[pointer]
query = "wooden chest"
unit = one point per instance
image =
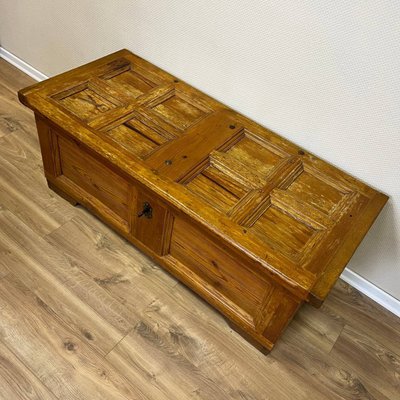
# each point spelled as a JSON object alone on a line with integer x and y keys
{"x": 251, "y": 222}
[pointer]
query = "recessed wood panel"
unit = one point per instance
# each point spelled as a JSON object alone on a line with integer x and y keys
{"x": 281, "y": 230}
{"x": 254, "y": 155}
{"x": 132, "y": 140}
{"x": 87, "y": 104}
{"x": 316, "y": 192}
{"x": 210, "y": 191}
{"x": 131, "y": 83}
{"x": 216, "y": 266}
{"x": 92, "y": 176}
{"x": 179, "y": 111}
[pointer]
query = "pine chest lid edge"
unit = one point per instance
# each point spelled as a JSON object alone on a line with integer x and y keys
{"x": 299, "y": 215}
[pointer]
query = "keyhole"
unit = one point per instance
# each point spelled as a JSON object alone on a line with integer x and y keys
{"x": 147, "y": 211}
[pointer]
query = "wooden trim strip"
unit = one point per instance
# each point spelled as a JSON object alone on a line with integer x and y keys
{"x": 249, "y": 209}
{"x": 178, "y": 159}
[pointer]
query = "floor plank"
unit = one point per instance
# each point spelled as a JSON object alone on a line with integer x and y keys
{"x": 51, "y": 350}
{"x": 3, "y": 270}
{"x": 3, "y": 252}
{"x": 351, "y": 307}
{"x": 23, "y": 188}
{"x": 317, "y": 328}
{"x": 17, "y": 382}
{"x": 12, "y": 117}
{"x": 184, "y": 334}
{"x": 21, "y": 148}
{"x": 12, "y": 78}
{"x": 120, "y": 269}
{"x": 373, "y": 361}
{"x": 304, "y": 359}
{"x": 67, "y": 292}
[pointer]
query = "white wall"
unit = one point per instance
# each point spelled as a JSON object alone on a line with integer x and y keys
{"x": 325, "y": 74}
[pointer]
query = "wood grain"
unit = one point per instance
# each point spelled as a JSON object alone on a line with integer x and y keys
{"x": 336, "y": 377}
{"x": 13, "y": 79}
{"x": 22, "y": 179}
{"x": 12, "y": 118}
{"x": 17, "y": 381}
{"x": 118, "y": 268}
{"x": 63, "y": 362}
{"x": 185, "y": 335}
{"x": 349, "y": 307}
{"x": 384, "y": 365}
{"x": 98, "y": 320}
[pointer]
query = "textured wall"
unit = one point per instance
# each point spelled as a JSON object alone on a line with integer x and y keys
{"x": 324, "y": 74}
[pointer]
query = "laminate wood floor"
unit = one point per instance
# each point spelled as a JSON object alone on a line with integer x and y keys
{"x": 84, "y": 315}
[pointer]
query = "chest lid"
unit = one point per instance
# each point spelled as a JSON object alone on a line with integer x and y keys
{"x": 297, "y": 216}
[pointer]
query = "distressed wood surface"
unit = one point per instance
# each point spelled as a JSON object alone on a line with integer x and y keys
{"x": 243, "y": 217}
{"x": 300, "y": 217}
{"x": 84, "y": 315}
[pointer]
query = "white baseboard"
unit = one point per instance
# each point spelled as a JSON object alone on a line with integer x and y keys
{"x": 370, "y": 290}
{"x": 373, "y": 292}
{"x": 22, "y": 65}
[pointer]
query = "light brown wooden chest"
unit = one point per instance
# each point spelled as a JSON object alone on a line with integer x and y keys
{"x": 249, "y": 221}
